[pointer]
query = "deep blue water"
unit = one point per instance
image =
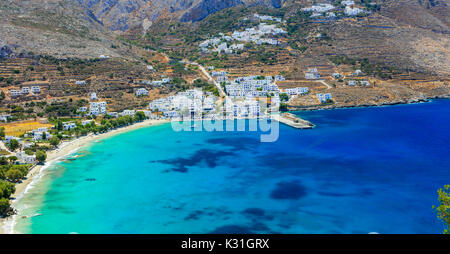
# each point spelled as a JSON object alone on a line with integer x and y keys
{"x": 361, "y": 170}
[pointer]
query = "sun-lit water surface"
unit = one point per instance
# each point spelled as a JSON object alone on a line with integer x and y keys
{"x": 361, "y": 170}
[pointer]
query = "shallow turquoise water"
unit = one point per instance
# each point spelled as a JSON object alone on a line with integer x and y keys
{"x": 361, "y": 170}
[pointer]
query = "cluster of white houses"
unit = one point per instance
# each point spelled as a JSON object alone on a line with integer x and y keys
{"x": 194, "y": 104}
{"x": 258, "y": 34}
{"x": 25, "y": 91}
{"x": 267, "y": 18}
{"x": 323, "y": 98}
{"x": 328, "y": 10}
{"x": 161, "y": 82}
{"x": 187, "y": 102}
{"x": 312, "y": 74}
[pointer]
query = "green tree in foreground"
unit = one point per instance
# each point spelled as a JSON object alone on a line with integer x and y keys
{"x": 4, "y": 207}
{"x": 2, "y": 133}
{"x": 14, "y": 175}
{"x": 41, "y": 156}
{"x": 12, "y": 159}
{"x": 13, "y": 144}
{"x": 443, "y": 210}
{"x": 54, "y": 141}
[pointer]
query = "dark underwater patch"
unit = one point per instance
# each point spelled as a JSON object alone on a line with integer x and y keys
{"x": 236, "y": 143}
{"x": 288, "y": 190}
{"x": 195, "y": 215}
{"x": 254, "y": 211}
{"x": 210, "y": 157}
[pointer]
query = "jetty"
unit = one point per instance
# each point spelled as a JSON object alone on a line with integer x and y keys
{"x": 293, "y": 121}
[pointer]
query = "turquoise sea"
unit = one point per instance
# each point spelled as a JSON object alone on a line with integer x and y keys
{"x": 361, "y": 170}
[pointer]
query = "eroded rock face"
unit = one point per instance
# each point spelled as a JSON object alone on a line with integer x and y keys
{"x": 122, "y": 14}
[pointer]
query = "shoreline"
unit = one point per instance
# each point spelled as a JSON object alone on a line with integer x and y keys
{"x": 386, "y": 104}
{"x": 64, "y": 149}
{"x": 67, "y": 148}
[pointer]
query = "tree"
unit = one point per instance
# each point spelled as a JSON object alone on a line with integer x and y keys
{"x": 54, "y": 141}
{"x": 41, "y": 156}
{"x": 2, "y": 133}
{"x": 13, "y": 144}
{"x": 13, "y": 175}
{"x": 6, "y": 189}
{"x": 5, "y": 206}
{"x": 3, "y": 160}
{"x": 12, "y": 158}
{"x": 59, "y": 126}
{"x": 139, "y": 116}
{"x": 443, "y": 210}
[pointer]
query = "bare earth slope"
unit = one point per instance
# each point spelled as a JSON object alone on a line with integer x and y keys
{"x": 55, "y": 27}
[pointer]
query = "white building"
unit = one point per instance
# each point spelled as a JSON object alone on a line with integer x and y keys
{"x": 25, "y": 90}
{"x": 86, "y": 122}
{"x": 97, "y": 108}
{"x": 337, "y": 75}
{"x": 80, "y": 82}
{"x": 141, "y": 92}
{"x": 312, "y": 73}
{"x": 69, "y": 126}
{"x": 35, "y": 89}
{"x": 14, "y": 93}
{"x": 353, "y": 11}
{"x": 94, "y": 97}
{"x": 127, "y": 113}
{"x": 113, "y": 114}
{"x": 324, "y": 97}
{"x": 25, "y": 158}
{"x": 4, "y": 118}
{"x": 358, "y": 73}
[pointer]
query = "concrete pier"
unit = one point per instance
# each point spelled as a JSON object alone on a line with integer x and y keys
{"x": 293, "y": 121}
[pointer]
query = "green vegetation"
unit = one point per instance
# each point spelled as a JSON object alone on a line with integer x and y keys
{"x": 443, "y": 210}
{"x": 13, "y": 174}
{"x": 2, "y": 133}
{"x": 206, "y": 86}
{"x": 13, "y": 144}
{"x": 54, "y": 141}
{"x": 365, "y": 66}
{"x": 284, "y": 97}
{"x": 41, "y": 156}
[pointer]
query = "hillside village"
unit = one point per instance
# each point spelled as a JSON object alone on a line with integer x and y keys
{"x": 52, "y": 98}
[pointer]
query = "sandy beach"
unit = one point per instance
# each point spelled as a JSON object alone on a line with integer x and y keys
{"x": 64, "y": 149}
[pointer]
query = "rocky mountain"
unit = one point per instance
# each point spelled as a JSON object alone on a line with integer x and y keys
{"x": 413, "y": 34}
{"x": 55, "y": 27}
{"x": 123, "y": 14}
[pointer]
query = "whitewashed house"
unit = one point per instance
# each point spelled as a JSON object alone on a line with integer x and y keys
{"x": 4, "y": 118}
{"x": 69, "y": 126}
{"x": 94, "y": 97}
{"x": 128, "y": 112}
{"x": 25, "y": 90}
{"x": 141, "y": 92}
{"x": 15, "y": 93}
{"x": 86, "y": 122}
{"x": 312, "y": 74}
{"x": 35, "y": 89}
{"x": 97, "y": 108}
